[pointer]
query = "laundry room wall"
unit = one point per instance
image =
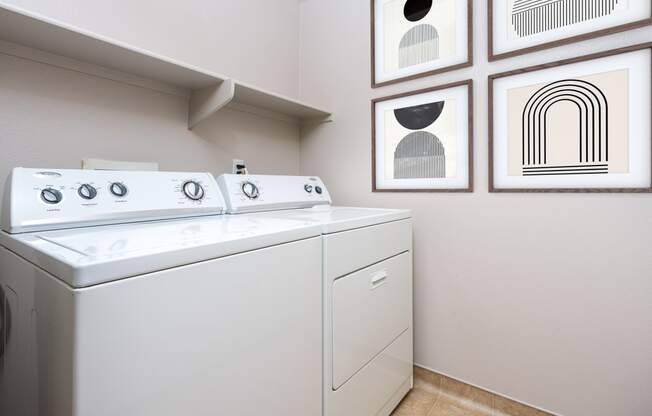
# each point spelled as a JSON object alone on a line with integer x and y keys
{"x": 52, "y": 117}
{"x": 543, "y": 298}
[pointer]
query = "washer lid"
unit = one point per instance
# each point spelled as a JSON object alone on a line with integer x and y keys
{"x": 89, "y": 256}
{"x": 334, "y": 219}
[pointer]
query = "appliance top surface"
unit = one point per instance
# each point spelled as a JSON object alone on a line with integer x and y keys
{"x": 88, "y": 256}
{"x": 303, "y": 198}
{"x": 333, "y": 219}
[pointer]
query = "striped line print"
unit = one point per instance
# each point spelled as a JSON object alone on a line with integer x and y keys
{"x": 420, "y": 154}
{"x": 593, "y": 169}
{"x": 419, "y": 45}
{"x": 530, "y": 17}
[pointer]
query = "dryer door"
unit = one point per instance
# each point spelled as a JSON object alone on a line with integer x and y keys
{"x": 371, "y": 308}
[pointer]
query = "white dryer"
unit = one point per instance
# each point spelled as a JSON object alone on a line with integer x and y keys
{"x": 126, "y": 293}
{"x": 367, "y": 277}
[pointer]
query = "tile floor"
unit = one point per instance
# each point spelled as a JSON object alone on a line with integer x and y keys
{"x": 437, "y": 395}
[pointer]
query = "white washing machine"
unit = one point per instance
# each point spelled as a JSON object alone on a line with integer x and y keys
{"x": 367, "y": 276}
{"x": 126, "y": 293}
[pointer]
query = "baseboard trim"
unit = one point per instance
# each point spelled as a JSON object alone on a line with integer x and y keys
{"x": 501, "y": 405}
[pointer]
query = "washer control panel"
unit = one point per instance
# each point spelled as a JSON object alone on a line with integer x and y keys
{"x": 251, "y": 193}
{"x": 47, "y": 199}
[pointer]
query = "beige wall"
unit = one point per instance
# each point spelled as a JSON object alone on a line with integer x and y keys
{"x": 544, "y": 298}
{"x": 234, "y": 38}
{"x": 51, "y": 117}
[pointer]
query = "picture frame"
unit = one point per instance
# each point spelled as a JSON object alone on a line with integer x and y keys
{"x": 566, "y": 25}
{"x": 578, "y": 125}
{"x": 418, "y": 48}
{"x": 422, "y": 141}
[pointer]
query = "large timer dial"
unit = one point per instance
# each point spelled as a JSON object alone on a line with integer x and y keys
{"x": 250, "y": 190}
{"x": 193, "y": 190}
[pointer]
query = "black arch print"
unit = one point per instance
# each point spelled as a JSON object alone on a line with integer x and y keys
{"x": 593, "y": 122}
{"x": 583, "y": 127}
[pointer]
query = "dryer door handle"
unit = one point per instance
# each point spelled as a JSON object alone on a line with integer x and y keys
{"x": 378, "y": 278}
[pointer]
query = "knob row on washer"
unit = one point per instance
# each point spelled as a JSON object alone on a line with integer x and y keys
{"x": 85, "y": 191}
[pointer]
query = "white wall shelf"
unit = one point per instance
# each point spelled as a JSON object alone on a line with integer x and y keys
{"x": 41, "y": 39}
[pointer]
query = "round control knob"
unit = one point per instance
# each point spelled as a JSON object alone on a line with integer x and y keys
{"x": 118, "y": 189}
{"x": 250, "y": 190}
{"x": 193, "y": 190}
{"x": 318, "y": 189}
{"x": 87, "y": 191}
{"x": 51, "y": 196}
{"x": 308, "y": 188}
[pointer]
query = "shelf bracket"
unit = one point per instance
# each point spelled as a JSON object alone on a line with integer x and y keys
{"x": 207, "y": 101}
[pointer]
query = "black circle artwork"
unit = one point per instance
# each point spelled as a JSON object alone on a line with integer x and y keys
{"x": 420, "y": 116}
{"x": 415, "y": 10}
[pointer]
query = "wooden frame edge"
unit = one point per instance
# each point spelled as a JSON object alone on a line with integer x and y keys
{"x": 534, "y": 68}
{"x": 470, "y": 188}
{"x": 555, "y": 43}
{"x": 467, "y": 64}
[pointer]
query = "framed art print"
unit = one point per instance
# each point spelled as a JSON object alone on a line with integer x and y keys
{"x": 422, "y": 141}
{"x": 522, "y": 26}
{"x": 417, "y": 38}
{"x": 580, "y": 125}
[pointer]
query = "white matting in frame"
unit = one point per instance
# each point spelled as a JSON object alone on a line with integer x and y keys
{"x": 413, "y": 154}
{"x": 523, "y": 24}
{"x": 617, "y": 118}
{"x": 414, "y": 37}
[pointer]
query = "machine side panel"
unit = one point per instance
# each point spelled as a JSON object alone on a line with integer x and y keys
{"x": 36, "y": 367}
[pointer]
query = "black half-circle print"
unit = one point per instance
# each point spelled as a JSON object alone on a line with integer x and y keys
{"x": 419, "y": 116}
{"x": 416, "y": 10}
{"x": 420, "y": 155}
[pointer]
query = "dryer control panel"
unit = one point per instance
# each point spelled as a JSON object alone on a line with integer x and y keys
{"x": 253, "y": 193}
{"x": 48, "y": 199}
